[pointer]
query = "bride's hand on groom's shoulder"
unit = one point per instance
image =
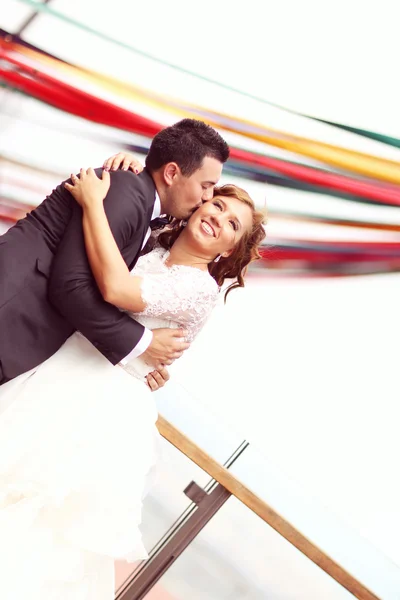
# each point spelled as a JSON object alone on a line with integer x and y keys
{"x": 87, "y": 188}
{"x": 124, "y": 161}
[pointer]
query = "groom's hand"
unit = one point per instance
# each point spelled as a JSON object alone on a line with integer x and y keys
{"x": 166, "y": 346}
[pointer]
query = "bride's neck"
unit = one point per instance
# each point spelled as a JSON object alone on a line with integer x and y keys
{"x": 182, "y": 254}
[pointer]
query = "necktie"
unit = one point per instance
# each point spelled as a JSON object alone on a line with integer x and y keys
{"x": 159, "y": 222}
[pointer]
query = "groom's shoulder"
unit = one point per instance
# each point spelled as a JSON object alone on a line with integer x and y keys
{"x": 140, "y": 186}
{"x": 142, "y": 182}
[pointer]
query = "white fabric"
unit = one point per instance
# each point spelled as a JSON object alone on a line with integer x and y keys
{"x": 78, "y": 448}
{"x": 176, "y": 297}
{"x": 147, "y": 336}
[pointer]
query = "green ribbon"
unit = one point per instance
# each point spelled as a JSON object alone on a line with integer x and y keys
{"x": 45, "y": 8}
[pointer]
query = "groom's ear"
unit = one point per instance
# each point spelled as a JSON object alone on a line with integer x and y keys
{"x": 170, "y": 171}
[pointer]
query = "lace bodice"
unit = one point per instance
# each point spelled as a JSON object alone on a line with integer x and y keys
{"x": 177, "y": 296}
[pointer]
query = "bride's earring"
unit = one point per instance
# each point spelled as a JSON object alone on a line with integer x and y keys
{"x": 217, "y": 258}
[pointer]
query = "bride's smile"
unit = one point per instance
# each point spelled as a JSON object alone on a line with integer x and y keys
{"x": 217, "y": 226}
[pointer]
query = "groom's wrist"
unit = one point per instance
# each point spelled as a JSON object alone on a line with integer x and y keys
{"x": 140, "y": 347}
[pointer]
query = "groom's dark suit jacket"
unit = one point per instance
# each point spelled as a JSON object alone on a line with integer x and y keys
{"x": 47, "y": 290}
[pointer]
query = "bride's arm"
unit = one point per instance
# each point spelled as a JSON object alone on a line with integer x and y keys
{"x": 112, "y": 276}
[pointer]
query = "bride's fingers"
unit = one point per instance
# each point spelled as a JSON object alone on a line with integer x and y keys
{"x": 74, "y": 179}
{"x": 105, "y": 176}
{"x": 163, "y": 372}
{"x": 151, "y": 382}
{"x": 115, "y": 161}
{"x": 157, "y": 380}
{"x": 131, "y": 163}
{"x": 107, "y": 163}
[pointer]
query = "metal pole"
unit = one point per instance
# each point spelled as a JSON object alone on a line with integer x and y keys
{"x": 207, "y": 506}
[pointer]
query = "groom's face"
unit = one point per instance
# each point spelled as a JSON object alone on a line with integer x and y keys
{"x": 186, "y": 194}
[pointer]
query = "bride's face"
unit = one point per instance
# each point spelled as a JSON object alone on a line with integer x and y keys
{"x": 217, "y": 226}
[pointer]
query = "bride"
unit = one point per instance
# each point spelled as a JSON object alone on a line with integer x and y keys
{"x": 78, "y": 439}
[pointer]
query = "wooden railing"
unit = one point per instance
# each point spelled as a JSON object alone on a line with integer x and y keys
{"x": 261, "y": 508}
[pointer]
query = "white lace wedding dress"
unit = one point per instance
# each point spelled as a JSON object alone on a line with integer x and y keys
{"x": 78, "y": 443}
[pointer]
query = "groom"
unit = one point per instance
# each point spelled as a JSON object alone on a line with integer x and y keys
{"x": 47, "y": 290}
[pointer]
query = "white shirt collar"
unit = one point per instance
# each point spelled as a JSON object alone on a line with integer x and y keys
{"x": 156, "y": 208}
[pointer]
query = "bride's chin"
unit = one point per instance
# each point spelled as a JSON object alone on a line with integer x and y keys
{"x": 202, "y": 240}
{"x": 199, "y": 245}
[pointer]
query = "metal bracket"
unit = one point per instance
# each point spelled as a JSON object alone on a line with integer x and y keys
{"x": 194, "y": 492}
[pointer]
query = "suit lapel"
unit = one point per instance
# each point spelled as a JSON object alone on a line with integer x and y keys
{"x": 151, "y": 195}
{"x": 139, "y": 247}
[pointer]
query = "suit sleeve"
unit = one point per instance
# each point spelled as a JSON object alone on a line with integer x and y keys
{"x": 72, "y": 288}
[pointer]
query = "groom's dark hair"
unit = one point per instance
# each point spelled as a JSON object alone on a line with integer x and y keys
{"x": 187, "y": 143}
